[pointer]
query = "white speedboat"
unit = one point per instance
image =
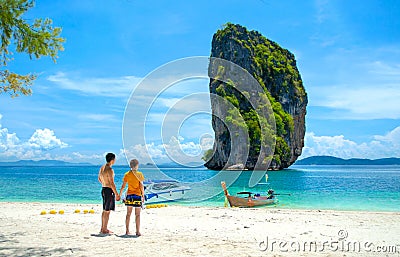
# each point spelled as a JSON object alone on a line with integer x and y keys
{"x": 164, "y": 190}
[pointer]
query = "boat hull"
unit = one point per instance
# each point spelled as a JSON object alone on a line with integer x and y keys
{"x": 164, "y": 191}
{"x": 248, "y": 202}
{"x": 153, "y": 197}
{"x": 235, "y": 201}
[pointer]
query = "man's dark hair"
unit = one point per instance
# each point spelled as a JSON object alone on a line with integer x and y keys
{"x": 110, "y": 157}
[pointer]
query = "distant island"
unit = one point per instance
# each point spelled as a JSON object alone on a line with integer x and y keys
{"x": 55, "y": 163}
{"x": 171, "y": 165}
{"x": 42, "y": 163}
{"x": 330, "y": 160}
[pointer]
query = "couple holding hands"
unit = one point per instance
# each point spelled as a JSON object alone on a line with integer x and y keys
{"x": 134, "y": 195}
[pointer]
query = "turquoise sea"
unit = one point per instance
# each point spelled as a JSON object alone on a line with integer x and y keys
{"x": 366, "y": 188}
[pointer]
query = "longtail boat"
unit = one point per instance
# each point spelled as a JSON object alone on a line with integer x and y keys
{"x": 251, "y": 200}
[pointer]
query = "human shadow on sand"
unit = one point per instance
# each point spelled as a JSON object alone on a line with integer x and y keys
{"x": 101, "y": 235}
{"x": 22, "y": 251}
{"x": 127, "y": 236}
{"x": 11, "y": 246}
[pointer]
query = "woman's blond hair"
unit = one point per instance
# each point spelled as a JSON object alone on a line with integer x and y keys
{"x": 133, "y": 163}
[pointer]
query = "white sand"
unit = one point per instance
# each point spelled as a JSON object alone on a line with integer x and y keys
{"x": 197, "y": 231}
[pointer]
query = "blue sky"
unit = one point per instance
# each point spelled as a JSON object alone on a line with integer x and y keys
{"x": 347, "y": 52}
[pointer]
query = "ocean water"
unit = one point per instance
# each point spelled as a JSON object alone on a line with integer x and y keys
{"x": 366, "y": 188}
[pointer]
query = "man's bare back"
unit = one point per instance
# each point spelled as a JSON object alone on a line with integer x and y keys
{"x": 106, "y": 176}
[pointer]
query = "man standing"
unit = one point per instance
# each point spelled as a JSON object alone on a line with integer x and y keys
{"x": 108, "y": 192}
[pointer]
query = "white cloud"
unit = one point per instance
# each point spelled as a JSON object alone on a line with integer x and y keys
{"x": 360, "y": 103}
{"x": 176, "y": 150}
{"x": 39, "y": 147}
{"x": 93, "y": 158}
{"x": 392, "y": 138}
{"x": 144, "y": 151}
{"x": 381, "y": 68}
{"x": 328, "y": 29}
{"x": 381, "y": 146}
{"x": 36, "y": 147}
{"x": 321, "y": 10}
{"x": 79, "y": 157}
{"x": 189, "y": 116}
{"x": 111, "y": 87}
{"x": 168, "y": 102}
{"x": 373, "y": 94}
{"x": 206, "y": 142}
{"x": 168, "y": 85}
{"x": 45, "y": 139}
{"x": 7, "y": 140}
{"x": 98, "y": 117}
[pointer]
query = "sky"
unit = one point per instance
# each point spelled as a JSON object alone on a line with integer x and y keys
{"x": 347, "y": 53}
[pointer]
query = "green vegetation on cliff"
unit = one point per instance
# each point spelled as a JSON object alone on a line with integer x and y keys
{"x": 275, "y": 69}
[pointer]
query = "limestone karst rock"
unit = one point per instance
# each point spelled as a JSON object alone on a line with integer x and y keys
{"x": 275, "y": 69}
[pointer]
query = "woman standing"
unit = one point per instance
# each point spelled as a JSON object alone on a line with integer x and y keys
{"x": 135, "y": 194}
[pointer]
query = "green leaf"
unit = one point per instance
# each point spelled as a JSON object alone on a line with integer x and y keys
{"x": 37, "y": 40}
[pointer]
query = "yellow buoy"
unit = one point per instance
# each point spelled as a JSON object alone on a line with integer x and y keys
{"x": 61, "y": 212}
{"x": 53, "y": 212}
{"x": 91, "y": 211}
{"x": 43, "y": 213}
{"x": 77, "y": 211}
{"x": 85, "y": 211}
{"x": 155, "y": 206}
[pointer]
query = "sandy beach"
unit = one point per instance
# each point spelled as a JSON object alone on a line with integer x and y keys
{"x": 197, "y": 231}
